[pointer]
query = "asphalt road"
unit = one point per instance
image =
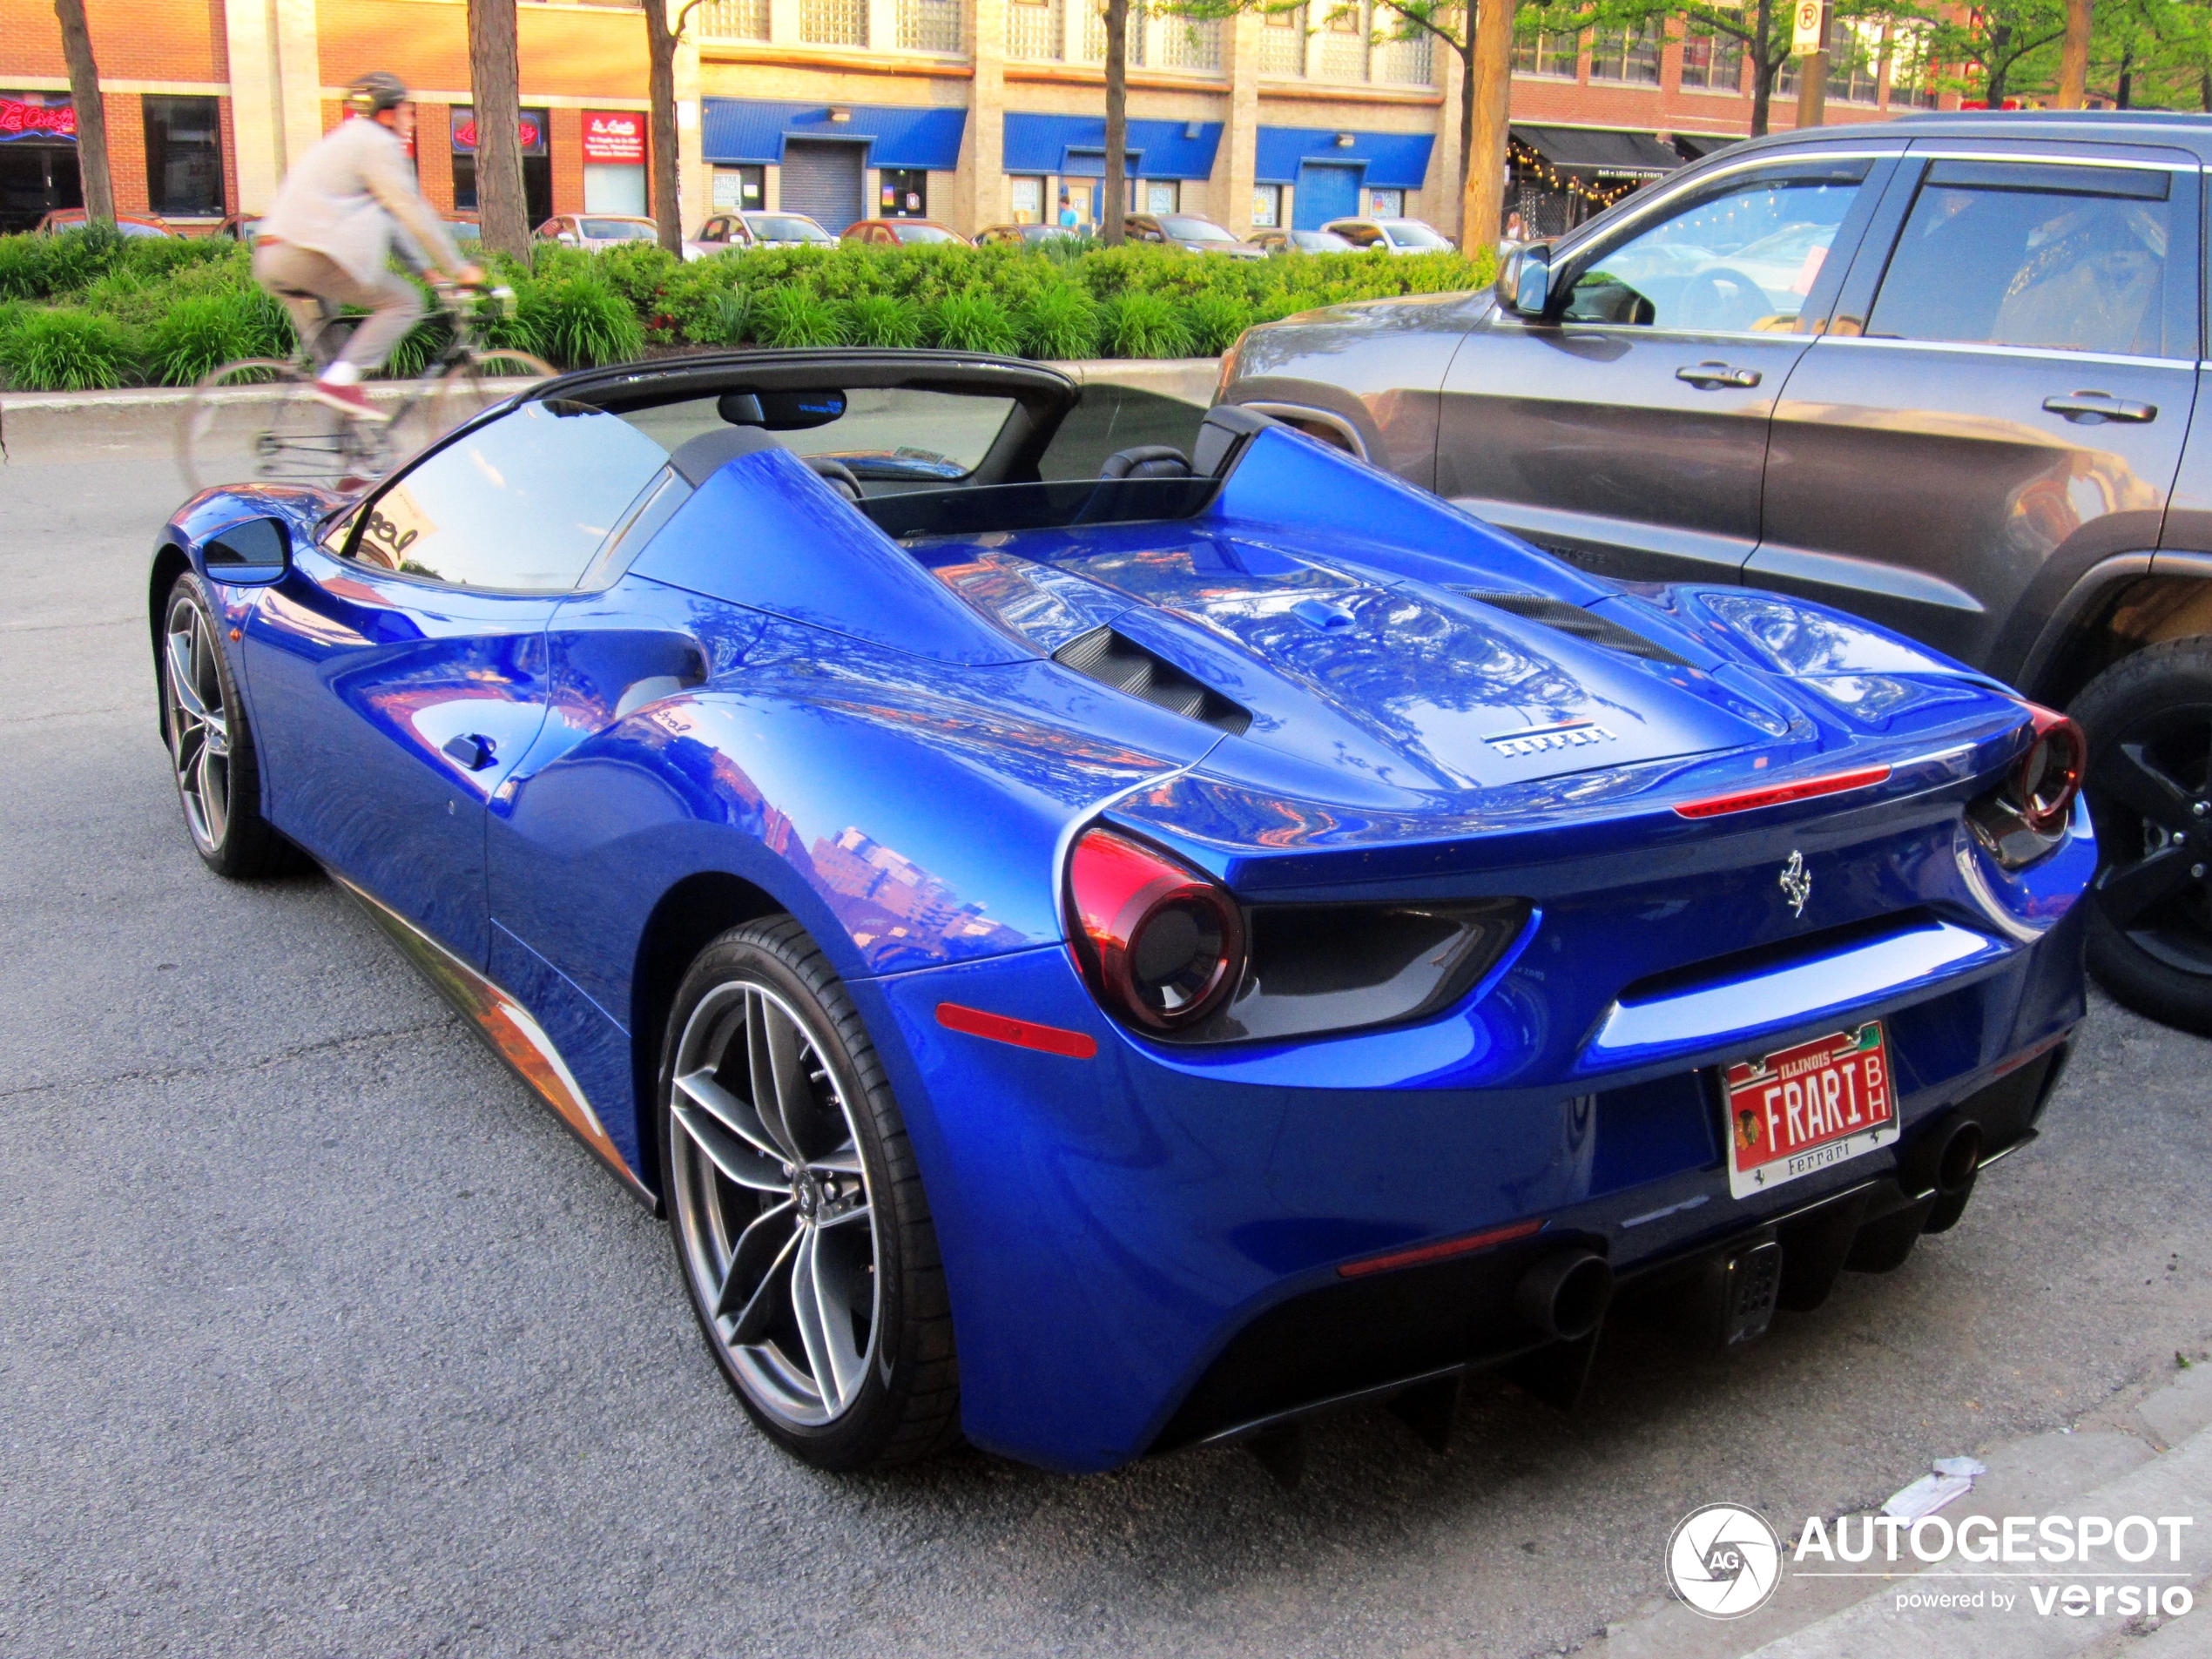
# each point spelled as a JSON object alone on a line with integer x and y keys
{"x": 317, "y": 1336}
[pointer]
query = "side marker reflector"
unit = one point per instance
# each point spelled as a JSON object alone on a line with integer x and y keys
{"x": 1438, "y": 1252}
{"x": 1776, "y": 794}
{"x": 1022, "y": 1034}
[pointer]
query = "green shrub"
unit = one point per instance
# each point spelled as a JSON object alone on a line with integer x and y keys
{"x": 794, "y": 317}
{"x": 197, "y": 334}
{"x": 723, "y": 322}
{"x": 880, "y": 319}
{"x": 1143, "y": 325}
{"x": 970, "y": 322}
{"x": 1058, "y": 322}
{"x": 575, "y": 322}
{"x": 66, "y": 349}
{"x": 1214, "y": 320}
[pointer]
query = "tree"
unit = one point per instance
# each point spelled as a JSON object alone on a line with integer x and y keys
{"x": 661, "y": 39}
{"x": 2073, "y": 61}
{"x": 495, "y": 79}
{"x": 1113, "y": 201}
{"x": 2002, "y": 39}
{"x": 1481, "y": 37}
{"x": 91, "y": 113}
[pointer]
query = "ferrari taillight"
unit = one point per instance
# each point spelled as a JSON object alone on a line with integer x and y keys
{"x": 1160, "y": 944}
{"x": 2048, "y": 777}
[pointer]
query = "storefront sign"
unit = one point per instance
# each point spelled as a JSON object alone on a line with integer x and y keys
{"x": 529, "y": 131}
{"x": 29, "y": 115}
{"x": 615, "y": 136}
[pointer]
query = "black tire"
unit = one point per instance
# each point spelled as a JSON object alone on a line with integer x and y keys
{"x": 211, "y": 744}
{"x": 2149, "y": 720}
{"x": 905, "y": 1403}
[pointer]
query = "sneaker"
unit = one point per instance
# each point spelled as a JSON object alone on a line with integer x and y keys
{"x": 349, "y": 400}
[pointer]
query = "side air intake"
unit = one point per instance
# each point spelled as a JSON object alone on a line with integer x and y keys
{"x": 1106, "y": 656}
{"x": 1573, "y": 619}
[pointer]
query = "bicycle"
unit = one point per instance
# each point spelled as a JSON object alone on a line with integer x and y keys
{"x": 228, "y": 426}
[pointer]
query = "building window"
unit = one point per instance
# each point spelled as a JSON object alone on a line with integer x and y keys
{"x": 1339, "y": 51}
{"x": 734, "y": 19}
{"x": 1911, "y": 75}
{"x": 1025, "y": 199}
{"x": 1160, "y": 195}
{"x": 929, "y": 25}
{"x": 1540, "y": 52}
{"x": 902, "y": 193}
{"x": 1036, "y": 29}
{"x": 1095, "y": 35}
{"x": 1267, "y": 206}
{"x": 1385, "y": 204}
{"x": 1282, "y": 43}
{"x": 1711, "y": 61}
{"x": 1190, "y": 42}
{"x": 1402, "y": 59}
{"x": 833, "y": 23}
{"x": 537, "y": 163}
{"x": 1626, "y": 55}
{"x": 185, "y": 157}
{"x": 740, "y": 189}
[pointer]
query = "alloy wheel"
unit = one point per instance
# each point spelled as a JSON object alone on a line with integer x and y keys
{"x": 775, "y": 1216}
{"x": 199, "y": 729}
{"x": 2151, "y": 791}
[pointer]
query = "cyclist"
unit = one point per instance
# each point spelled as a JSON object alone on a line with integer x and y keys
{"x": 326, "y": 239}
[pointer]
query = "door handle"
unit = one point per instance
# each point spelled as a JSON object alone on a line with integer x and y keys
{"x": 473, "y": 749}
{"x": 1706, "y": 376}
{"x": 2100, "y": 406}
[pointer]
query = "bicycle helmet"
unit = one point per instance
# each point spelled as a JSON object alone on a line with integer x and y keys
{"x": 378, "y": 90}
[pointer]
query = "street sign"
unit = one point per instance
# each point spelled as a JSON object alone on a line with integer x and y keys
{"x": 1804, "y": 30}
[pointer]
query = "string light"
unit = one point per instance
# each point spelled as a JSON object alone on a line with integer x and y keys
{"x": 1597, "y": 195}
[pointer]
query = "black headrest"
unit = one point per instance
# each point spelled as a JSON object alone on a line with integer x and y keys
{"x": 836, "y": 474}
{"x": 1146, "y": 460}
{"x": 700, "y": 458}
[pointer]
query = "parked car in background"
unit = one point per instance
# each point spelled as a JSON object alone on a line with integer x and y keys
{"x": 900, "y": 232}
{"x": 1940, "y": 373}
{"x": 723, "y": 231}
{"x": 1025, "y": 235}
{"x": 1300, "y": 242}
{"x": 593, "y": 232}
{"x": 1392, "y": 235}
{"x": 1189, "y": 233}
{"x": 74, "y": 218}
{"x": 240, "y": 227}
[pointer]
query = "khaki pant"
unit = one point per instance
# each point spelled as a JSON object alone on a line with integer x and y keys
{"x": 313, "y": 286}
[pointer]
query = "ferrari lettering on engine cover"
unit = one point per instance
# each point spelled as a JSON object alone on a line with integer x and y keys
{"x": 1569, "y": 736}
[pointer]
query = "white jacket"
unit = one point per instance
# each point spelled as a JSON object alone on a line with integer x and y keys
{"x": 340, "y": 198}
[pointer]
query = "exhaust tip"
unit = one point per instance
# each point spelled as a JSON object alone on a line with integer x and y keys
{"x": 1960, "y": 1158}
{"x": 1565, "y": 1296}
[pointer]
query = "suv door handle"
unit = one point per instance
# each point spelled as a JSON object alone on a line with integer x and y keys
{"x": 1706, "y": 376}
{"x": 2100, "y": 406}
{"x": 473, "y": 749}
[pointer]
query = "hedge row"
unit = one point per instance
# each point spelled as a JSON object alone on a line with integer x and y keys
{"x": 88, "y": 310}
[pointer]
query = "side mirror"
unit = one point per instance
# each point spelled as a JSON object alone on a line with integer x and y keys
{"x": 1524, "y": 281}
{"x": 256, "y": 552}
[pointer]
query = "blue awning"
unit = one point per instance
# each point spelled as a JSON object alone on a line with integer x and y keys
{"x": 736, "y": 130}
{"x": 1393, "y": 160}
{"x": 1075, "y": 146}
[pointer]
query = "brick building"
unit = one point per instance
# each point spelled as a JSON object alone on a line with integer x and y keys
{"x": 972, "y": 111}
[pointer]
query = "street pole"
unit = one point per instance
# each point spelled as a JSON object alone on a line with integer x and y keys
{"x": 1812, "y": 65}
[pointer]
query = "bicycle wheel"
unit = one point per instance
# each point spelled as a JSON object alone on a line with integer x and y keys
{"x": 255, "y": 422}
{"x": 483, "y": 378}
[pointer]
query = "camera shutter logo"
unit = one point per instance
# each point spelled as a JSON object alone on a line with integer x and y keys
{"x": 1724, "y": 1561}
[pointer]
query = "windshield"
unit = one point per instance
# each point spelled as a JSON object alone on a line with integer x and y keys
{"x": 786, "y": 227}
{"x": 617, "y": 230}
{"x": 1185, "y": 229}
{"x": 1410, "y": 232}
{"x": 460, "y": 229}
{"x": 892, "y": 433}
{"x": 1357, "y": 235}
{"x": 914, "y": 231}
{"x": 1323, "y": 242}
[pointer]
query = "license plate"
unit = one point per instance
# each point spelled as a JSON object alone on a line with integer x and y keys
{"x": 1802, "y": 1109}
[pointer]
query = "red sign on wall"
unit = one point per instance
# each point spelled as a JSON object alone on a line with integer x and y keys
{"x": 614, "y": 135}
{"x": 529, "y": 131}
{"x": 34, "y": 117}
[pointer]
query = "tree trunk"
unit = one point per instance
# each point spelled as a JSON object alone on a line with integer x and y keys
{"x": 497, "y": 88}
{"x": 660, "y": 45}
{"x": 1764, "y": 70}
{"x": 1482, "y": 209}
{"x": 1113, "y": 196}
{"x": 2073, "y": 57}
{"x": 92, "y": 114}
{"x": 2124, "y": 92}
{"x": 1466, "y": 106}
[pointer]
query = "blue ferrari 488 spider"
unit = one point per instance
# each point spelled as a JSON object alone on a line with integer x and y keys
{"x": 1100, "y": 946}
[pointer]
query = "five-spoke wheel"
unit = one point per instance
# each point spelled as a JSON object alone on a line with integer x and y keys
{"x": 211, "y": 749}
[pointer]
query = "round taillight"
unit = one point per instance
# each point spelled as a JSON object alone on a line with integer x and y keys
{"x": 1162, "y": 944}
{"x": 2047, "y": 778}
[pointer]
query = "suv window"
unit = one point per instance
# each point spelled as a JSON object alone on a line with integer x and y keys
{"x": 521, "y": 503}
{"x": 1740, "y": 259}
{"x": 2062, "y": 257}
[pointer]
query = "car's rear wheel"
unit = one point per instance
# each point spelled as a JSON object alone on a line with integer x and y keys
{"x": 796, "y": 1209}
{"x": 2149, "y": 720}
{"x": 211, "y": 746}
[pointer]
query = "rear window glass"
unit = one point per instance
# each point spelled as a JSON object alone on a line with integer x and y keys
{"x": 901, "y": 436}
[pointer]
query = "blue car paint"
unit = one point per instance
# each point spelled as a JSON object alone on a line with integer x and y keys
{"x": 908, "y": 793}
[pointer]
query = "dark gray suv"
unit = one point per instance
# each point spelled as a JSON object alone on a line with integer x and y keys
{"x": 1939, "y": 372}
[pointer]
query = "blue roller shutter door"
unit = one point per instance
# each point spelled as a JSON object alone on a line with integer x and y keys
{"x": 1326, "y": 190}
{"x": 825, "y": 182}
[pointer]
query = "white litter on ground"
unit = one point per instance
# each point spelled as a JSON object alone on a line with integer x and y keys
{"x": 1954, "y": 1478}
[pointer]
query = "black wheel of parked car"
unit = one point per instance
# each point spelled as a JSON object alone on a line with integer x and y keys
{"x": 2149, "y": 720}
{"x": 797, "y": 1210}
{"x": 211, "y": 746}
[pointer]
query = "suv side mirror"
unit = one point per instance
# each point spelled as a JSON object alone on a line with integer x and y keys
{"x": 257, "y": 552}
{"x": 1524, "y": 281}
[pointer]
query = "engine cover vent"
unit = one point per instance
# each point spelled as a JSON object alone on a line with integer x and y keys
{"x": 1573, "y": 619}
{"x": 1106, "y": 656}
